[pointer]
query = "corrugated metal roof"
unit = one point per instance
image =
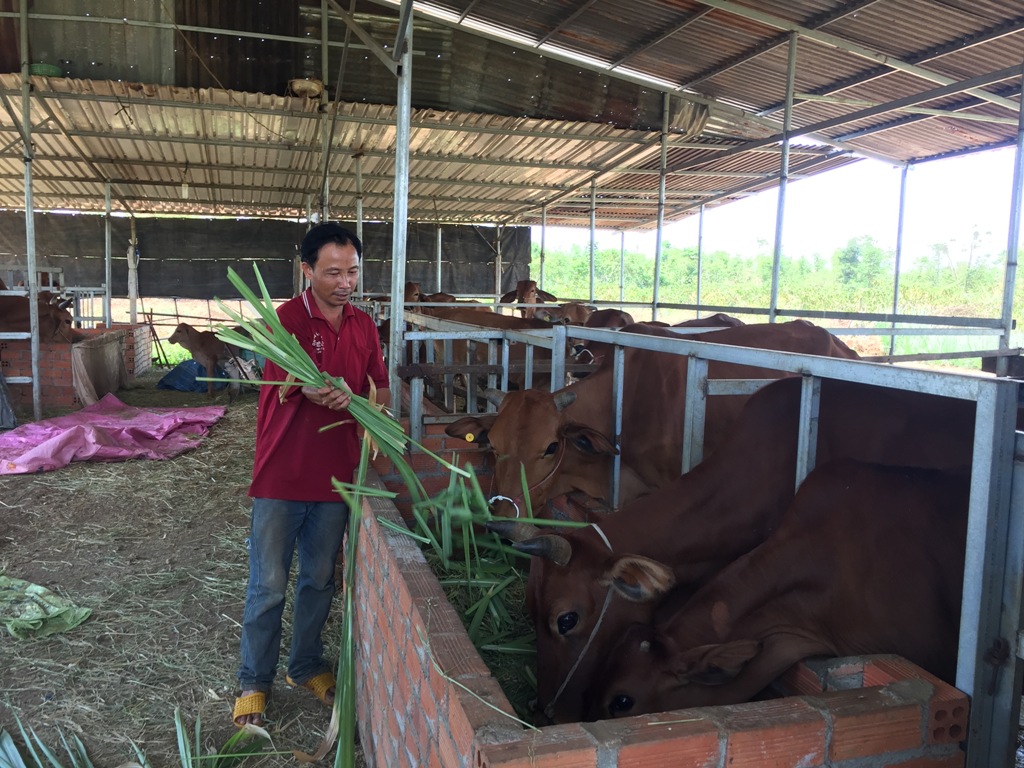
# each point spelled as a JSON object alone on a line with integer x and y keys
{"x": 505, "y": 129}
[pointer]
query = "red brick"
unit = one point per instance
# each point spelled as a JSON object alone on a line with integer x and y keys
{"x": 871, "y": 722}
{"x": 652, "y": 741}
{"x": 882, "y": 670}
{"x": 781, "y": 732}
{"x": 563, "y": 746}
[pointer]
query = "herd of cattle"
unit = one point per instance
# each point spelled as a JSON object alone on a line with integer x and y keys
{"x": 702, "y": 588}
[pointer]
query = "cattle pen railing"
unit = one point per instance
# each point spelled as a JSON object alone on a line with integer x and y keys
{"x": 989, "y": 667}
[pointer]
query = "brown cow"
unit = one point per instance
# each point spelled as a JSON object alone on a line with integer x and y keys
{"x": 55, "y": 322}
{"x": 493, "y": 320}
{"x": 868, "y": 559}
{"x": 206, "y": 350}
{"x": 569, "y": 313}
{"x": 595, "y": 351}
{"x": 563, "y": 439}
{"x": 724, "y": 507}
{"x": 527, "y": 294}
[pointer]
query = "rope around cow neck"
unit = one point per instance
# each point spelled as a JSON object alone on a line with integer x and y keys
{"x": 549, "y": 710}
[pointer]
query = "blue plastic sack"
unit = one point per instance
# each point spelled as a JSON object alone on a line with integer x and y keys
{"x": 182, "y": 377}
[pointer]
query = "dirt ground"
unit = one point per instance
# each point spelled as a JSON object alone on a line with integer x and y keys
{"x": 157, "y": 550}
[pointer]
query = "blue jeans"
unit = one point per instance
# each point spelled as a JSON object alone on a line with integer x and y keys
{"x": 277, "y": 527}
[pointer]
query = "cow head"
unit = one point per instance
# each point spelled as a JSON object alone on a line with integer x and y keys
{"x": 533, "y": 433}
{"x": 180, "y": 335}
{"x": 527, "y": 292}
{"x": 580, "y": 596}
{"x": 646, "y": 672}
{"x": 413, "y": 294}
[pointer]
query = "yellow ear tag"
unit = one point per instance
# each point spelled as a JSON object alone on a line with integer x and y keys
{"x": 470, "y": 437}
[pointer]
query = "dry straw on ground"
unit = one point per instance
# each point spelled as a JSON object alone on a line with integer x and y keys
{"x": 157, "y": 550}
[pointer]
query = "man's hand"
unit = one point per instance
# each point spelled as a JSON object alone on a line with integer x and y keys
{"x": 329, "y": 397}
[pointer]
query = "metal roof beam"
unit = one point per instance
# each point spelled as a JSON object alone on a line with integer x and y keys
{"x": 912, "y": 110}
{"x": 935, "y": 93}
{"x": 375, "y": 48}
{"x": 958, "y": 44}
{"x": 760, "y": 49}
{"x": 834, "y": 41}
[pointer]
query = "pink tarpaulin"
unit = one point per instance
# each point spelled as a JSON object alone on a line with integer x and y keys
{"x": 107, "y": 430}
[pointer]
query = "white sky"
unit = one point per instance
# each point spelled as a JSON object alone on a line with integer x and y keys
{"x": 947, "y": 200}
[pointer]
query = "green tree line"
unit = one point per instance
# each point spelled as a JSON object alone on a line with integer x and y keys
{"x": 858, "y": 277}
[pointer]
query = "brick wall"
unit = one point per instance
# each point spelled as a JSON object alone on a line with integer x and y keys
{"x": 56, "y": 382}
{"x": 426, "y": 698}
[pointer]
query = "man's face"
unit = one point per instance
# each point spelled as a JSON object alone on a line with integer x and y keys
{"x": 335, "y": 275}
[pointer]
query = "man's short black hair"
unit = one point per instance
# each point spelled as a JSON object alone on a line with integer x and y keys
{"x": 322, "y": 234}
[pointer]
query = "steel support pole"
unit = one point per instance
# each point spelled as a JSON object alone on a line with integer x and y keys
{"x": 1012, "y": 241}
{"x": 543, "y": 235}
{"x": 396, "y": 347}
{"x": 497, "y": 264}
{"x": 593, "y": 233}
{"x": 780, "y": 214}
{"x": 325, "y": 118}
{"x": 663, "y": 172}
{"x": 622, "y": 266}
{"x": 133, "y": 276}
{"x": 30, "y": 225}
{"x": 700, "y": 253}
{"x": 437, "y": 278}
{"x": 899, "y": 253}
{"x": 359, "y": 209}
{"x": 108, "y": 260}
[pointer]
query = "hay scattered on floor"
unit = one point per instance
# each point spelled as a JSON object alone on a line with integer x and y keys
{"x": 157, "y": 550}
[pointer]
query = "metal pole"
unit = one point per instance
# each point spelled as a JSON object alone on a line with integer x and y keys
{"x": 661, "y": 204}
{"x": 497, "y": 260}
{"x": 1012, "y": 242}
{"x": 593, "y": 232}
{"x": 358, "y": 157}
{"x": 438, "y": 276}
{"x": 622, "y": 266}
{"x": 899, "y": 253}
{"x": 133, "y": 276}
{"x": 396, "y": 347}
{"x": 700, "y": 252}
{"x": 325, "y": 119}
{"x": 780, "y": 214}
{"x": 543, "y": 234}
{"x": 30, "y": 225}
{"x": 108, "y": 260}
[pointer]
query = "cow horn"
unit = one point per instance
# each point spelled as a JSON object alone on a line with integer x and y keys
{"x": 564, "y": 398}
{"x": 551, "y": 546}
{"x": 513, "y": 530}
{"x": 65, "y": 303}
{"x": 494, "y": 396}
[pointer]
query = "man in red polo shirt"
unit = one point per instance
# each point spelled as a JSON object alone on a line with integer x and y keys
{"x": 294, "y": 503}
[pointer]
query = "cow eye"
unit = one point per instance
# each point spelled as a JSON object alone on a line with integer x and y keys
{"x": 567, "y": 621}
{"x": 620, "y": 704}
{"x": 551, "y": 449}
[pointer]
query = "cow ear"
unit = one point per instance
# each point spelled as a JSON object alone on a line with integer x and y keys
{"x": 639, "y": 579}
{"x": 545, "y": 315}
{"x": 721, "y": 663}
{"x": 472, "y": 429}
{"x": 588, "y": 440}
{"x": 546, "y": 296}
{"x": 508, "y": 298}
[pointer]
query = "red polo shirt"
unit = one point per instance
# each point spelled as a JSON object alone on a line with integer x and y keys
{"x": 294, "y": 460}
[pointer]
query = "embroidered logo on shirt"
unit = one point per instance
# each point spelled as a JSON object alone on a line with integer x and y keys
{"x": 318, "y": 345}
